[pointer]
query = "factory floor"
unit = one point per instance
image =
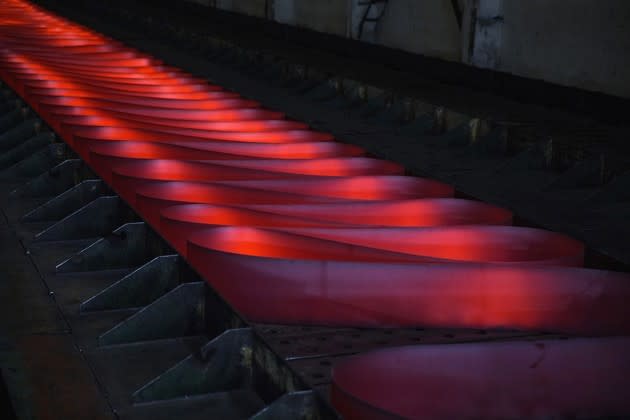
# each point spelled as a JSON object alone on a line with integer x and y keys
{"x": 39, "y": 357}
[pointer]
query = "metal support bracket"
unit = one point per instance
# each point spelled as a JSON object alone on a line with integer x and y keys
{"x": 19, "y": 134}
{"x": 67, "y": 202}
{"x": 11, "y": 118}
{"x": 37, "y": 163}
{"x": 299, "y": 405}
{"x": 223, "y": 364}
{"x": 126, "y": 247}
{"x": 98, "y": 218}
{"x": 25, "y": 149}
{"x": 139, "y": 288}
{"x": 178, "y": 313}
{"x": 54, "y": 181}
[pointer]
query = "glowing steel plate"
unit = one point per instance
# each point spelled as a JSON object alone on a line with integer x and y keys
{"x": 577, "y": 378}
{"x": 292, "y": 227}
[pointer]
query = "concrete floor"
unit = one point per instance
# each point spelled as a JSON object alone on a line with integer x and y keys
{"x": 40, "y": 360}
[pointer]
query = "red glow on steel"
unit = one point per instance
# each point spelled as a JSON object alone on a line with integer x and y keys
{"x": 272, "y": 277}
{"x": 293, "y": 227}
{"x": 357, "y": 187}
{"x": 423, "y": 212}
{"x": 306, "y": 150}
{"x": 151, "y": 199}
{"x": 493, "y": 244}
{"x": 127, "y": 178}
{"x": 178, "y": 223}
{"x": 578, "y": 378}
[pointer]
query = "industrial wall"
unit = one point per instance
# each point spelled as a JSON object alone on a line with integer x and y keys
{"x": 583, "y": 43}
{"x": 580, "y": 43}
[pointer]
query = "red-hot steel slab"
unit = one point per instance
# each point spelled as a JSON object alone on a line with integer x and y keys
{"x": 105, "y": 156}
{"x": 422, "y": 212}
{"x": 179, "y": 223}
{"x": 293, "y": 227}
{"x": 274, "y": 276}
{"x": 155, "y": 197}
{"x": 127, "y": 177}
{"x": 152, "y": 199}
{"x": 578, "y": 378}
